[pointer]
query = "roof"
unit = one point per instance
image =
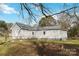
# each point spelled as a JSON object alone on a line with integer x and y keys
{"x": 27, "y": 27}
{"x": 46, "y": 28}
{"x": 52, "y": 27}
{"x": 23, "y": 26}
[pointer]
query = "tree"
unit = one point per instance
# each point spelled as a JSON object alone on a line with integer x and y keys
{"x": 33, "y": 16}
{"x": 72, "y": 32}
{"x": 64, "y": 21}
{"x": 47, "y": 21}
{"x": 3, "y": 26}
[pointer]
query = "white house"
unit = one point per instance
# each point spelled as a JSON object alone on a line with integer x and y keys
{"x": 23, "y": 31}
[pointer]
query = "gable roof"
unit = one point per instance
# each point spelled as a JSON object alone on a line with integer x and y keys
{"x": 37, "y": 28}
{"x": 46, "y": 28}
{"x": 52, "y": 27}
{"x": 23, "y": 26}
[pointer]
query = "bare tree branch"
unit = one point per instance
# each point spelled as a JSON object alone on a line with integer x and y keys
{"x": 27, "y": 7}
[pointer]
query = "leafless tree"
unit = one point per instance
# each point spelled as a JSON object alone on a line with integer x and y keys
{"x": 25, "y": 7}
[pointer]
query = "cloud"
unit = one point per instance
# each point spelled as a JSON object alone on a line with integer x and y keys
{"x": 7, "y": 10}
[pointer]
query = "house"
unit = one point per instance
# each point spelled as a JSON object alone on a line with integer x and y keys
{"x": 22, "y": 31}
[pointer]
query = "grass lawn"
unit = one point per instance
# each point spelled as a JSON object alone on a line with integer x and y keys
{"x": 4, "y": 48}
{"x": 75, "y": 42}
{"x": 68, "y": 41}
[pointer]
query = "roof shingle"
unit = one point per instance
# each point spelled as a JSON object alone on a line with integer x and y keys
{"x": 27, "y": 27}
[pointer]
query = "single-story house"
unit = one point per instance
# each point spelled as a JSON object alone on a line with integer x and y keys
{"x": 22, "y": 31}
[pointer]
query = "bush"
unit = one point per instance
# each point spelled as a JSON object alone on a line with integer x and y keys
{"x": 73, "y": 31}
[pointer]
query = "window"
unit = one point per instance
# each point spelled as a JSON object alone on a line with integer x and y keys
{"x": 32, "y": 33}
{"x": 44, "y": 33}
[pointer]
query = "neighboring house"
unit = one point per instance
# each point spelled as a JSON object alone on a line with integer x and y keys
{"x": 22, "y": 31}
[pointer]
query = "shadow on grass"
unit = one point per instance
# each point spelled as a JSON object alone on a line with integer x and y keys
{"x": 34, "y": 48}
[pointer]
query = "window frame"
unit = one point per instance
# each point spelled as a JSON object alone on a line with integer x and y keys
{"x": 32, "y": 33}
{"x": 44, "y": 32}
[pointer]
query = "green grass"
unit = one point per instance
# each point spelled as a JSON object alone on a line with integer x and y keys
{"x": 68, "y": 41}
{"x": 65, "y": 42}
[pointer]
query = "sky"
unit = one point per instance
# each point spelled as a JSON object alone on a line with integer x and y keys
{"x": 10, "y": 12}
